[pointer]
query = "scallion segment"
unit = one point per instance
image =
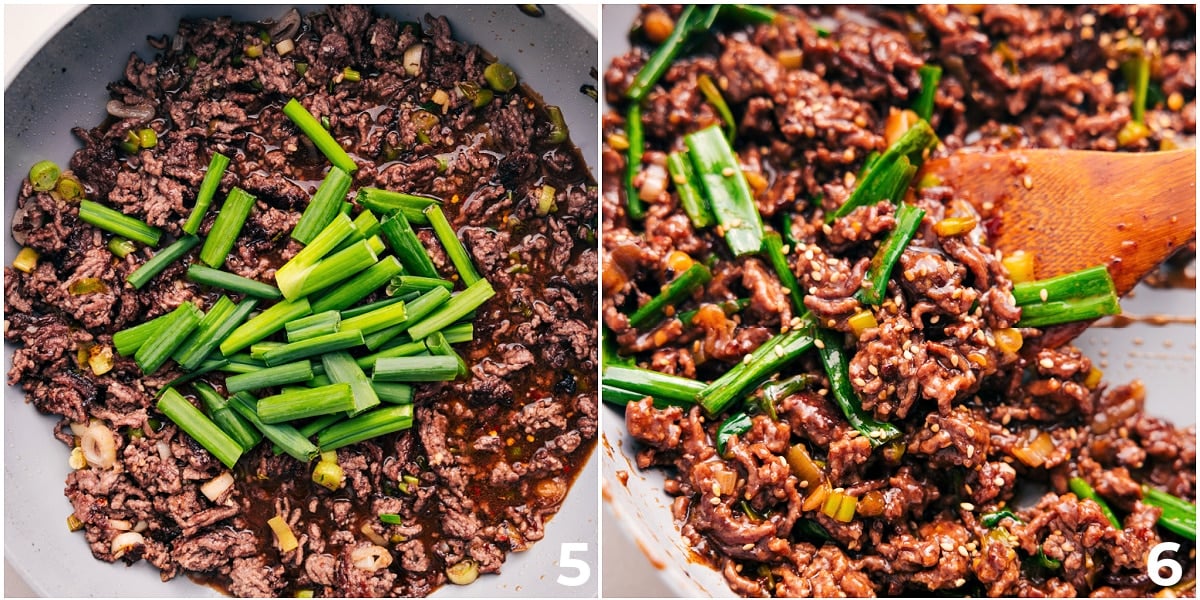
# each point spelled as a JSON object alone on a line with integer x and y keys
{"x": 372, "y": 424}
{"x": 229, "y": 281}
{"x": 324, "y": 205}
{"x": 411, "y": 283}
{"x": 634, "y": 131}
{"x": 361, "y": 286}
{"x": 297, "y": 372}
{"x": 306, "y": 403}
{"x": 219, "y": 333}
{"x": 226, "y": 227}
{"x": 404, "y": 242}
{"x": 930, "y": 76}
{"x": 692, "y": 18}
{"x": 294, "y": 351}
{"x": 283, "y": 435}
{"x": 292, "y": 275}
{"x": 725, "y": 185}
{"x": 837, "y": 368}
{"x": 127, "y": 341}
{"x": 764, "y": 362}
{"x": 672, "y": 389}
{"x": 233, "y": 424}
{"x": 341, "y": 368}
{"x": 773, "y": 245}
{"x": 713, "y": 94}
{"x": 438, "y": 346}
{"x": 415, "y": 368}
{"x": 1085, "y": 294}
{"x": 393, "y": 393}
{"x": 908, "y": 220}
{"x": 1178, "y": 515}
{"x": 166, "y": 339}
{"x": 267, "y": 322}
{"x": 314, "y": 325}
{"x": 453, "y": 310}
{"x": 366, "y": 308}
{"x": 118, "y": 223}
{"x": 679, "y": 166}
{"x": 1082, "y": 489}
{"x": 189, "y": 418}
{"x": 208, "y": 188}
{"x": 387, "y": 202}
{"x": 454, "y": 248}
{"x": 891, "y": 175}
{"x": 198, "y": 341}
{"x": 675, "y": 292}
{"x": 161, "y": 260}
{"x": 337, "y": 268}
{"x": 415, "y": 311}
{"x": 377, "y": 319}
{"x": 409, "y": 348}
{"x": 319, "y": 136}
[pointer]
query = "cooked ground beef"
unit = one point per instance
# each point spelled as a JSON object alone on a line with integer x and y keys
{"x": 812, "y": 94}
{"x": 491, "y": 455}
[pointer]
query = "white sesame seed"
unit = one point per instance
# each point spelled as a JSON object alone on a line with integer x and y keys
{"x": 999, "y": 481}
{"x": 970, "y": 451}
{"x": 714, "y": 501}
{"x": 778, "y": 351}
{"x": 872, "y": 369}
{"x": 716, "y": 488}
{"x": 1044, "y": 294}
{"x": 1047, "y": 363}
{"x": 935, "y": 428}
{"x": 963, "y": 551}
{"x": 748, "y": 547}
{"x": 747, "y": 359}
{"x": 947, "y": 545}
{"x": 728, "y": 172}
{"x": 967, "y": 506}
{"x": 819, "y": 344}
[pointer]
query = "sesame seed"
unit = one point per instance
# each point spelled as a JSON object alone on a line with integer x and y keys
{"x": 947, "y": 545}
{"x": 778, "y": 351}
{"x": 812, "y": 290}
{"x": 967, "y": 506}
{"x": 970, "y": 451}
{"x": 999, "y": 481}
{"x": 1046, "y": 363}
{"x": 957, "y": 582}
{"x": 816, "y": 276}
{"x": 954, "y": 359}
{"x": 935, "y": 428}
{"x": 727, "y": 172}
{"x": 1027, "y": 181}
{"x": 748, "y": 547}
{"x": 747, "y": 359}
{"x": 860, "y": 382}
{"x": 872, "y": 369}
{"x": 963, "y": 551}
{"x": 1044, "y": 294}
{"x": 714, "y": 501}
{"x": 822, "y": 392}
{"x": 819, "y": 344}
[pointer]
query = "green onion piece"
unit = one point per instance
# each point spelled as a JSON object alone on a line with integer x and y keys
{"x": 930, "y": 76}
{"x": 324, "y": 205}
{"x": 311, "y": 427}
{"x": 43, "y": 175}
{"x": 558, "y": 125}
{"x": 1085, "y": 294}
{"x": 155, "y": 352}
{"x": 1178, "y": 515}
{"x": 208, "y": 188}
{"x": 393, "y": 393}
{"x": 671, "y": 389}
{"x": 283, "y": 435}
{"x": 891, "y": 175}
{"x": 219, "y": 333}
{"x": 297, "y": 372}
{"x": 411, "y": 283}
{"x": 319, "y": 136}
{"x": 387, "y": 202}
{"x": 735, "y": 424}
{"x": 993, "y": 519}
{"x": 226, "y": 228}
{"x": 121, "y": 247}
{"x": 621, "y": 397}
{"x": 693, "y": 202}
{"x": 318, "y": 323}
{"x": 500, "y": 77}
{"x": 1046, "y": 562}
{"x": 267, "y": 322}
{"x": 341, "y": 368}
{"x": 635, "y": 132}
{"x": 404, "y": 242}
{"x": 690, "y": 20}
{"x": 229, "y": 366}
{"x": 405, "y": 349}
{"x": 313, "y": 347}
{"x": 229, "y": 281}
{"x": 764, "y": 362}
{"x": 714, "y": 97}
{"x": 725, "y": 185}
{"x": 459, "y": 332}
{"x": 454, "y": 248}
{"x": 366, "y": 308}
{"x": 415, "y": 311}
{"x": 351, "y": 75}
{"x": 372, "y": 424}
{"x": 161, "y": 259}
{"x": 127, "y": 341}
{"x": 291, "y": 275}
{"x": 205, "y": 368}
{"x": 675, "y": 292}
{"x": 774, "y": 392}
{"x": 1136, "y": 71}
{"x": 201, "y": 428}
{"x": 390, "y": 519}
{"x": 233, "y": 424}
{"x": 377, "y": 319}
{"x": 749, "y": 13}
{"x": 837, "y": 368}
{"x": 117, "y": 223}
{"x": 773, "y": 244}
{"x": 438, "y": 346}
{"x": 360, "y": 287}
{"x": 416, "y": 368}
{"x": 219, "y": 312}
{"x": 453, "y": 310}
{"x": 258, "y": 349}
{"x": 365, "y": 226}
{"x": 1084, "y": 491}
{"x": 314, "y": 402}
{"x": 908, "y": 220}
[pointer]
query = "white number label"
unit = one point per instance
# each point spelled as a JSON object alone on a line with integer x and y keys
{"x": 583, "y": 571}
{"x": 1155, "y": 565}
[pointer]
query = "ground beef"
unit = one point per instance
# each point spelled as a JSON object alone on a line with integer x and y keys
{"x": 811, "y": 97}
{"x": 492, "y": 454}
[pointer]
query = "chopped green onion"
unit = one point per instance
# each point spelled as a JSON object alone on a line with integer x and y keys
{"x": 393, "y": 393}
{"x": 679, "y": 166}
{"x": 283, "y": 435}
{"x": 407, "y": 246}
{"x": 837, "y": 368}
{"x": 675, "y": 292}
{"x": 558, "y": 126}
{"x": 269, "y": 321}
{"x": 930, "y": 76}
{"x": 366, "y": 308}
{"x": 690, "y": 20}
{"x": 390, "y": 519}
{"x": 233, "y": 424}
{"x": 337, "y": 268}
{"x": 319, "y": 136}
{"x": 314, "y": 402}
{"x": 324, "y": 205}
{"x": 500, "y": 77}
{"x": 411, "y": 283}
{"x": 1085, "y": 294}
{"x": 155, "y": 352}
{"x": 229, "y": 281}
{"x": 258, "y": 349}
{"x": 226, "y": 228}
{"x": 43, "y": 175}
{"x": 387, "y": 202}
{"x": 377, "y": 319}
{"x": 161, "y": 260}
{"x": 208, "y": 188}
{"x": 121, "y": 247}
{"x": 735, "y": 424}
{"x": 218, "y": 334}
{"x": 459, "y": 332}
{"x": 454, "y": 248}
{"x": 341, "y": 368}
{"x": 405, "y": 349}
{"x": 127, "y": 341}
{"x": 891, "y": 175}
{"x": 313, "y": 347}
{"x": 635, "y": 131}
{"x": 714, "y": 97}
{"x": 1178, "y": 515}
{"x": 764, "y": 362}
{"x": 416, "y": 368}
{"x": 351, "y": 75}
{"x": 725, "y": 186}
{"x": 670, "y": 389}
{"x": 297, "y": 372}
{"x": 453, "y": 310}
{"x": 1084, "y": 491}
{"x": 316, "y": 324}
{"x": 219, "y": 312}
{"x": 416, "y": 310}
{"x": 438, "y": 346}
{"x": 908, "y": 220}
{"x": 381, "y": 421}
{"x": 773, "y": 244}
{"x": 292, "y": 274}
{"x": 117, "y": 223}
{"x": 199, "y": 427}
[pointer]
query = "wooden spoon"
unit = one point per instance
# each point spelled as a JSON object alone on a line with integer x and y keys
{"x": 1075, "y": 209}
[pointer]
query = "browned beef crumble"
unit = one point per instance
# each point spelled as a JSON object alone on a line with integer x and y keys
{"x": 1013, "y": 77}
{"x": 493, "y": 455}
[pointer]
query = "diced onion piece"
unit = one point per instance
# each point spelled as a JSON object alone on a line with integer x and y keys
{"x": 328, "y": 474}
{"x": 871, "y": 504}
{"x": 1034, "y": 453}
{"x": 99, "y": 446}
{"x": 803, "y": 467}
{"x": 1019, "y": 265}
{"x": 862, "y": 321}
{"x": 217, "y": 486}
{"x": 412, "y": 59}
{"x": 120, "y": 524}
{"x": 727, "y": 480}
{"x": 1093, "y": 378}
{"x": 124, "y": 542}
{"x": 371, "y": 558}
{"x": 284, "y": 47}
{"x": 26, "y": 260}
{"x": 77, "y": 461}
{"x": 442, "y": 99}
{"x": 73, "y": 523}
{"x": 790, "y": 58}
{"x": 1008, "y": 341}
{"x": 372, "y": 534}
{"x": 845, "y": 511}
{"x": 955, "y": 226}
{"x": 618, "y": 142}
{"x": 833, "y": 501}
{"x": 1132, "y": 133}
{"x": 654, "y": 182}
{"x": 679, "y": 261}
{"x": 283, "y": 534}
{"x": 100, "y": 359}
{"x": 463, "y": 573}
{"x": 141, "y": 526}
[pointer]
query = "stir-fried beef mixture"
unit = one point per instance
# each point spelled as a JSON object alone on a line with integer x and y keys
{"x": 904, "y": 427}
{"x": 490, "y": 455}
